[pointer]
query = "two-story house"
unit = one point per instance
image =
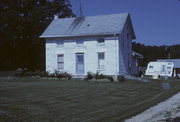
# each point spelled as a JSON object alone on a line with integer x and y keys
{"x": 96, "y": 43}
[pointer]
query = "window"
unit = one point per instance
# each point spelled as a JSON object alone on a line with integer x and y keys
{"x": 60, "y": 43}
{"x": 79, "y": 42}
{"x": 60, "y": 61}
{"x": 101, "y": 59}
{"x": 150, "y": 67}
{"x": 168, "y": 68}
{"x": 101, "y": 40}
{"x": 169, "y": 63}
{"x": 169, "y": 72}
{"x": 163, "y": 68}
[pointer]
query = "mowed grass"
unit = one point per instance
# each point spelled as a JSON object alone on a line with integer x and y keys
{"x": 43, "y": 99}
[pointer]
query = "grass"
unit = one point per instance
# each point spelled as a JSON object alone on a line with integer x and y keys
{"x": 43, "y": 99}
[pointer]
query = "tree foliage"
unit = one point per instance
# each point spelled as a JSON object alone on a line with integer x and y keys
{"x": 152, "y": 53}
{"x": 21, "y": 24}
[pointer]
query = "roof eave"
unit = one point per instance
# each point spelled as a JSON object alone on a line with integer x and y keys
{"x": 86, "y": 35}
{"x": 137, "y": 55}
{"x": 131, "y": 27}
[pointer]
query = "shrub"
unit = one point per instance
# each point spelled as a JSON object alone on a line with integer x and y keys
{"x": 36, "y": 73}
{"x": 120, "y": 78}
{"x": 25, "y": 73}
{"x": 89, "y": 76}
{"x": 44, "y": 74}
{"x": 67, "y": 75}
{"x": 59, "y": 76}
{"x": 18, "y": 72}
{"x": 99, "y": 76}
{"x": 62, "y": 75}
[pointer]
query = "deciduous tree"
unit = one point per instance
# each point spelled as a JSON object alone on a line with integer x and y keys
{"x": 21, "y": 24}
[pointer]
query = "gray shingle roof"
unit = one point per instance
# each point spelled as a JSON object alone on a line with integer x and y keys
{"x": 175, "y": 61}
{"x": 87, "y": 26}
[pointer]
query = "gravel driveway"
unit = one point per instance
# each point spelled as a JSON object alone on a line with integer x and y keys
{"x": 166, "y": 111}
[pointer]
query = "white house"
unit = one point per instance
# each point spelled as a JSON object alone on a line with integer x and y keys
{"x": 96, "y": 43}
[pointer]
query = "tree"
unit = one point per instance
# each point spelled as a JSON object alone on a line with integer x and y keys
{"x": 21, "y": 24}
{"x": 152, "y": 53}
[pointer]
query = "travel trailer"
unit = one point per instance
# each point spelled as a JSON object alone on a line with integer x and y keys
{"x": 159, "y": 69}
{"x": 176, "y": 63}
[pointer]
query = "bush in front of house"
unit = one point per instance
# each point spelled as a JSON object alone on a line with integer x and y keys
{"x": 38, "y": 73}
{"x": 18, "y": 72}
{"x": 120, "y": 78}
{"x": 24, "y": 72}
{"x": 97, "y": 76}
{"x": 89, "y": 76}
{"x": 67, "y": 75}
{"x": 61, "y": 75}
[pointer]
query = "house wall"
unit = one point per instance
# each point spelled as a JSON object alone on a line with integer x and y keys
{"x": 125, "y": 52}
{"x": 135, "y": 65}
{"x": 90, "y": 48}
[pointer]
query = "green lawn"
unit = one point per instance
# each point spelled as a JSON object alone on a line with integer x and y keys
{"x": 38, "y": 99}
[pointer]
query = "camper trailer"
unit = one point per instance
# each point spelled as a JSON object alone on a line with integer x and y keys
{"x": 159, "y": 69}
{"x": 176, "y": 63}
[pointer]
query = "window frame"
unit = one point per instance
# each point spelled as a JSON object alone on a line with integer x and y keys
{"x": 60, "y": 62}
{"x": 60, "y": 43}
{"x": 99, "y": 65}
{"x": 79, "y": 42}
{"x": 101, "y": 41}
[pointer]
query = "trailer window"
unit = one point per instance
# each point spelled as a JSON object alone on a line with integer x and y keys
{"x": 150, "y": 67}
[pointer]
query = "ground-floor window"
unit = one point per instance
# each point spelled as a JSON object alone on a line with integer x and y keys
{"x": 101, "y": 60}
{"x": 60, "y": 61}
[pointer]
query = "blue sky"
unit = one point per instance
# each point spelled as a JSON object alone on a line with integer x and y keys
{"x": 156, "y": 22}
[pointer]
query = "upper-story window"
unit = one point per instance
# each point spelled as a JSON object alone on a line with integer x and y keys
{"x": 79, "y": 41}
{"x": 60, "y": 43}
{"x": 101, "y": 40}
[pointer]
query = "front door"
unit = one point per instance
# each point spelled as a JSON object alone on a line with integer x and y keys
{"x": 80, "y": 63}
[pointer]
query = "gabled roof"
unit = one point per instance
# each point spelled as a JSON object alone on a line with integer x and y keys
{"x": 175, "y": 61}
{"x": 88, "y": 26}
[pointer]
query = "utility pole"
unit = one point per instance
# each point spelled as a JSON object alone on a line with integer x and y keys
{"x": 168, "y": 50}
{"x": 169, "y": 55}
